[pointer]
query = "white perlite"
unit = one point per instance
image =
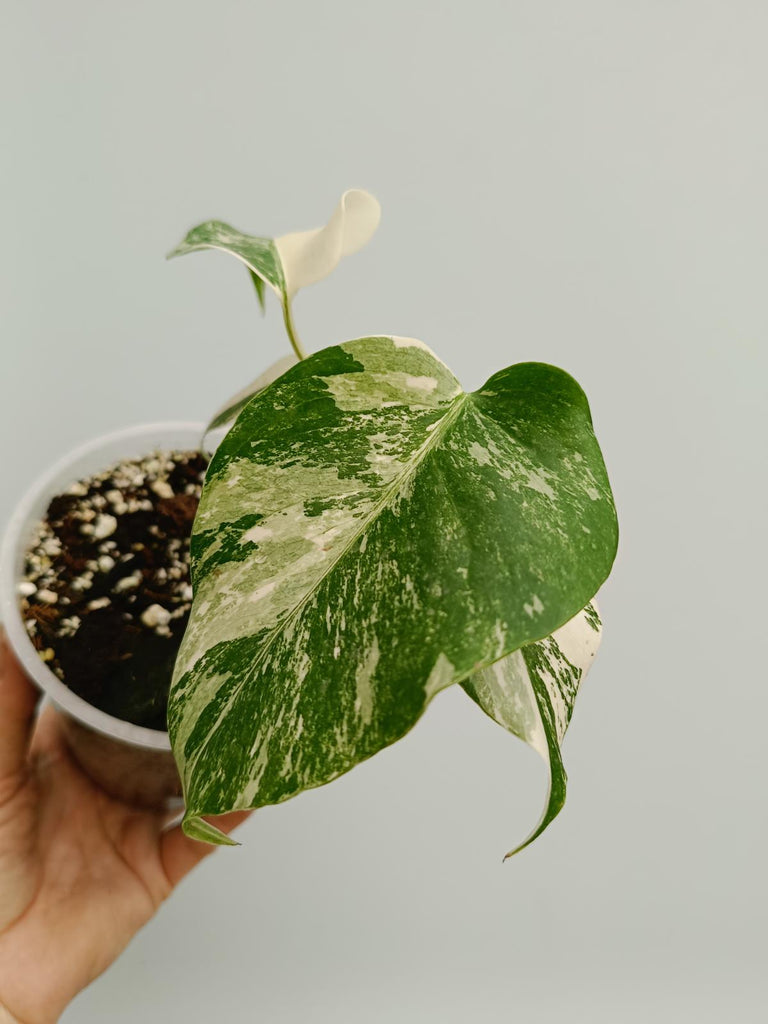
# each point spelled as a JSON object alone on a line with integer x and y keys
{"x": 104, "y": 527}
{"x": 162, "y": 488}
{"x": 155, "y": 616}
{"x": 127, "y": 583}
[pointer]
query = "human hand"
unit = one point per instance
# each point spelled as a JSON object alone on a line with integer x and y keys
{"x": 80, "y": 873}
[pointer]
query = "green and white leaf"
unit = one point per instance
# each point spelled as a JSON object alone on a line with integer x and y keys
{"x": 295, "y": 260}
{"x": 258, "y": 254}
{"x": 532, "y": 691}
{"x": 368, "y": 535}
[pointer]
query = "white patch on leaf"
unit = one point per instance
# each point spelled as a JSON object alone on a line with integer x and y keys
{"x": 440, "y": 676}
{"x": 481, "y": 455}
{"x": 410, "y": 343}
{"x": 421, "y": 383}
{"x": 364, "y": 684}
{"x": 255, "y": 534}
{"x": 537, "y": 482}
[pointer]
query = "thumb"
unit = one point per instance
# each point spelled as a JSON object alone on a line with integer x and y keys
{"x": 18, "y": 700}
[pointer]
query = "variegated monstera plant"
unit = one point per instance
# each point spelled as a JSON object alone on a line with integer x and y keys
{"x": 370, "y": 534}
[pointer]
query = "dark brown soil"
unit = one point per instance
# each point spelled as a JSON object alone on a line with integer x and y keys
{"x": 106, "y": 593}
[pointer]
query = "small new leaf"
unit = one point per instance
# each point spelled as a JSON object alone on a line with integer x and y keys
{"x": 292, "y": 261}
{"x": 258, "y": 254}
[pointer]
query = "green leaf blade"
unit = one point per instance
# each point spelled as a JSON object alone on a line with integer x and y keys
{"x": 532, "y": 693}
{"x": 393, "y": 557}
{"x": 258, "y": 254}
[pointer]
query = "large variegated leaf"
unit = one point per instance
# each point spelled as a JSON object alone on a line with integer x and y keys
{"x": 292, "y": 261}
{"x": 532, "y": 691}
{"x": 368, "y": 535}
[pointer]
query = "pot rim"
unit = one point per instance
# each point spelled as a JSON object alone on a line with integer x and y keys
{"x": 26, "y": 512}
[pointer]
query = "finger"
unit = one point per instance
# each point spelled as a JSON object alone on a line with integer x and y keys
{"x": 18, "y": 700}
{"x": 180, "y": 854}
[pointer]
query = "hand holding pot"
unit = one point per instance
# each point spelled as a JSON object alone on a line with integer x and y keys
{"x": 80, "y": 872}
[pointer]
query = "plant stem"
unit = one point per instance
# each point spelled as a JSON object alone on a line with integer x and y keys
{"x": 291, "y": 329}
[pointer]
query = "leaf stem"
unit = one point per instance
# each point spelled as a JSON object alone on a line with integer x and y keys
{"x": 291, "y": 329}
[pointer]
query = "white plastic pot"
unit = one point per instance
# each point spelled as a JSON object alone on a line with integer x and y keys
{"x": 129, "y": 761}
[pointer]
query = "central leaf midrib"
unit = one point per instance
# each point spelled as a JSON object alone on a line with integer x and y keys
{"x": 391, "y": 488}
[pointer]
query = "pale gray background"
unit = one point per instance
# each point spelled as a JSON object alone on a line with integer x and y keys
{"x": 578, "y": 182}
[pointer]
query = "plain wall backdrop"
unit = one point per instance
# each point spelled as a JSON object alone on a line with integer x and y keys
{"x": 578, "y": 183}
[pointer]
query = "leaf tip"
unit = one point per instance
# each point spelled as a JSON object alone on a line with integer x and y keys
{"x": 201, "y": 830}
{"x": 258, "y": 284}
{"x": 511, "y": 853}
